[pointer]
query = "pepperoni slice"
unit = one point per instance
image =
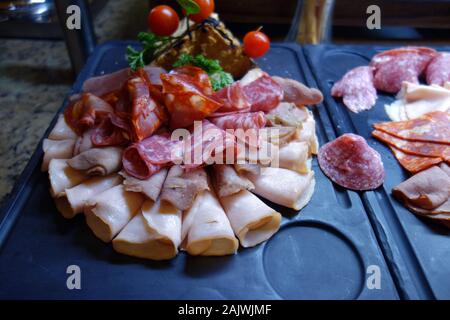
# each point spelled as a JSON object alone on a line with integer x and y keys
{"x": 392, "y": 67}
{"x": 350, "y": 162}
{"x": 247, "y": 120}
{"x": 431, "y": 127}
{"x": 263, "y": 94}
{"x": 438, "y": 71}
{"x": 187, "y": 92}
{"x": 414, "y": 163}
{"x": 427, "y": 149}
{"x": 82, "y": 113}
{"x": 110, "y": 131}
{"x": 357, "y": 89}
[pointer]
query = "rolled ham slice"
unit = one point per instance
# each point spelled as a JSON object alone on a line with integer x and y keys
{"x": 308, "y": 134}
{"x": 63, "y": 177}
{"x": 284, "y": 187}
{"x": 154, "y": 233}
{"x": 108, "y": 212}
{"x": 61, "y": 130}
{"x": 83, "y": 143}
{"x": 251, "y": 219}
{"x": 76, "y": 197}
{"x": 294, "y": 156}
{"x": 151, "y": 187}
{"x": 427, "y": 189}
{"x": 98, "y": 161}
{"x": 181, "y": 187}
{"x": 56, "y": 149}
{"x": 227, "y": 181}
{"x": 206, "y": 230}
{"x": 298, "y": 93}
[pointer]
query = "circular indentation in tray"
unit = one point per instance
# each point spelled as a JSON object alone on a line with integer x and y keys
{"x": 310, "y": 260}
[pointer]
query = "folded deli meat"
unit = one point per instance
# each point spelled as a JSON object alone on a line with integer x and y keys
{"x": 159, "y": 162}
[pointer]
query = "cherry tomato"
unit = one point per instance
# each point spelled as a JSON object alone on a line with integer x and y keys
{"x": 206, "y": 8}
{"x": 163, "y": 20}
{"x": 256, "y": 44}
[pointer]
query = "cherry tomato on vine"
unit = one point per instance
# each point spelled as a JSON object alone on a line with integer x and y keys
{"x": 206, "y": 8}
{"x": 163, "y": 20}
{"x": 256, "y": 44}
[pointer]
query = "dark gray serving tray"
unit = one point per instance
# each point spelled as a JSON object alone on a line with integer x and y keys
{"x": 416, "y": 249}
{"x": 323, "y": 252}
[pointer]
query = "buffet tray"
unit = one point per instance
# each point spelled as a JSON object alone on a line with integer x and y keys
{"x": 417, "y": 250}
{"x": 327, "y": 251}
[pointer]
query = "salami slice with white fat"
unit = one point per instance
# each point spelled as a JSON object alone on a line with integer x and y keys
{"x": 438, "y": 71}
{"x": 392, "y": 67}
{"x": 351, "y": 163}
{"x": 246, "y": 120}
{"x": 357, "y": 89}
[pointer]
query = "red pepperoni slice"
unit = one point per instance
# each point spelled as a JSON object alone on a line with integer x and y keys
{"x": 187, "y": 92}
{"x": 438, "y": 71}
{"x": 392, "y": 67}
{"x": 350, "y": 162}
{"x": 263, "y": 94}
{"x": 247, "y": 120}
{"x": 110, "y": 131}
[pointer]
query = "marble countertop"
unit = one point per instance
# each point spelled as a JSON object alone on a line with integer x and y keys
{"x": 35, "y": 76}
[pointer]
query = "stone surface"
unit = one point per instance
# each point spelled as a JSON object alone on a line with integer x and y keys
{"x": 35, "y": 76}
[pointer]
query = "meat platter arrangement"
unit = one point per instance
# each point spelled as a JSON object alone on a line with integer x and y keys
{"x": 397, "y": 99}
{"x": 189, "y": 147}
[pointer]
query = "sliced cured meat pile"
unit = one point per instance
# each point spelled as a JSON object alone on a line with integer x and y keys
{"x": 351, "y": 163}
{"x": 415, "y": 100}
{"x": 148, "y": 189}
{"x": 438, "y": 71}
{"x": 357, "y": 89}
{"x": 420, "y": 143}
{"x": 392, "y": 67}
{"x": 427, "y": 193}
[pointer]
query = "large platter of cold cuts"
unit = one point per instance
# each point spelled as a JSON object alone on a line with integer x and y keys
{"x": 159, "y": 162}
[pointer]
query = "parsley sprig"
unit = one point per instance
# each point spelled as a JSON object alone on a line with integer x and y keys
{"x": 218, "y": 77}
{"x": 151, "y": 45}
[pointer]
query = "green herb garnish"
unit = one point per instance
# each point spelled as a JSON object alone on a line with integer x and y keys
{"x": 151, "y": 45}
{"x": 218, "y": 77}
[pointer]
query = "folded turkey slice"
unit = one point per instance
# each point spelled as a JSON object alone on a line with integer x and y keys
{"x": 284, "y": 187}
{"x": 63, "y": 177}
{"x": 181, "y": 187}
{"x": 227, "y": 181}
{"x": 151, "y": 187}
{"x": 56, "y": 149}
{"x": 98, "y": 161}
{"x": 108, "y": 212}
{"x": 154, "y": 233}
{"x": 251, "y": 219}
{"x": 294, "y": 156}
{"x": 415, "y": 100}
{"x": 61, "y": 130}
{"x": 206, "y": 230}
{"x": 76, "y": 197}
{"x": 83, "y": 142}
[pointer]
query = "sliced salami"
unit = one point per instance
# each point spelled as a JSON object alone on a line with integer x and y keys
{"x": 263, "y": 94}
{"x": 392, "y": 67}
{"x": 438, "y": 71}
{"x": 233, "y": 99}
{"x": 141, "y": 160}
{"x": 350, "y": 162}
{"x": 247, "y": 120}
{"x": 357, "y": 89}
{"x": 431, "y": 127}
